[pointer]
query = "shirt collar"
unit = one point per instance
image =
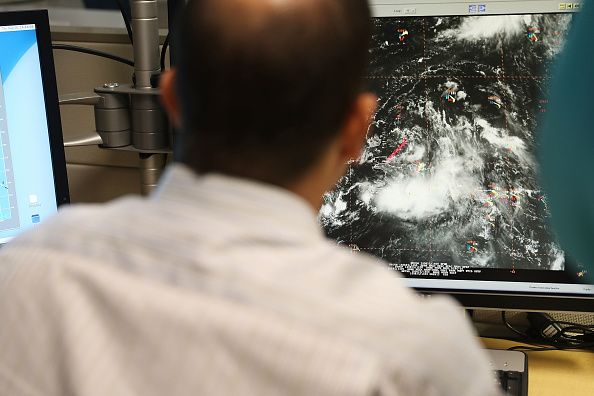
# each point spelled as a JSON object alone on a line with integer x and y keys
{"x": 263, "y": 209}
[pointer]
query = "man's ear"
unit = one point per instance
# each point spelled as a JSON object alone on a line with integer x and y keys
{"x": 357, "y": 126}
{"x": 169, "y": 96}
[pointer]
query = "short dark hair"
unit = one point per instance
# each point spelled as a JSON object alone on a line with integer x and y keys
{"x": 262, "y": 95}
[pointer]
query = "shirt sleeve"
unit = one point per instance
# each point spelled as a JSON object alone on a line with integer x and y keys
{"x": 445, "y": 357}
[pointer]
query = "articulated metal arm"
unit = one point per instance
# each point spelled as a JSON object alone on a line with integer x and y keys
{"x": 130, "y": 117}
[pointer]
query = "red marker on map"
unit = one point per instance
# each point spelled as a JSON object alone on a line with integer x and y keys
{"x": 398, "y": 149}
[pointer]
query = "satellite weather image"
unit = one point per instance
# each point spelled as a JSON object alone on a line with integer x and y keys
{"x": 448, "y": 176}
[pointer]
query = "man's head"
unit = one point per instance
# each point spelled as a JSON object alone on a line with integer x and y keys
{"x": 270, "y": 89}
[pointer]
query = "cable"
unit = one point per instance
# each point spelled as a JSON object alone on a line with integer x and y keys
{"x": 589, "y": 345}
{"x": 561, "y": 322}
{"x": 164, "y": 52}
{"x": 127, "y": 18}
{"x": 89, "y": 51}
{"x": 548, "y": 334}
{"x": 576, "y": 331}
{"x": 509, "y": 326}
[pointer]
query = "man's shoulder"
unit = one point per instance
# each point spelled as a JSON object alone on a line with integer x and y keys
{"x": 369, "y": 290}
{"x": 78, "y": 233}
{"x": 74, "y": 221}
{"x": 409, "y": 333}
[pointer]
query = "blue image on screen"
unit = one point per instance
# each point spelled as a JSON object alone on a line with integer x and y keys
{"x": 13, "y": 45}
{"x": 27, "y": 190}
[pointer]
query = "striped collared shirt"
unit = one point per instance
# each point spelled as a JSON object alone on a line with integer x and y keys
{"x": 218, "y": 286}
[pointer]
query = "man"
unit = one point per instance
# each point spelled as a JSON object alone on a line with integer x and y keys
{"x": 222, "y": 282}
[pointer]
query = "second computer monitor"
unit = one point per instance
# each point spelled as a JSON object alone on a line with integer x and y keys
{"x": 447, "y": 188}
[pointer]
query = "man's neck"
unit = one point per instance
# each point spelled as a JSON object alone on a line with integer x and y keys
{"x": 321, "y": 178}
{"x": 312, "y": 195}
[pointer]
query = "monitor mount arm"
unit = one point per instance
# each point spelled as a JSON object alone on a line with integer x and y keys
{"x": 129, "y": 117}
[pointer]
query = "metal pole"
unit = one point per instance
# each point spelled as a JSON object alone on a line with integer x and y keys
{"x": 148, "y": 122}
{"x": 151, "y": 168}
{"x": 145, "y": 27}
{"x": 149, "y": 126}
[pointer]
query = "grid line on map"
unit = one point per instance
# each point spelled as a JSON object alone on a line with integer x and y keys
{"x": 427, "y": 126}
{"x": 5, "y": 207}
{"x": 440, "y": 251}
{"x": 502, "y": 52}
{"x": 442, "y": 76}
{"x": 506, "y": 120}
{"x": 9, "y": 218}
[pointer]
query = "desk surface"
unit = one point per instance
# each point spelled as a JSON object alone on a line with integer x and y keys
{"x": 555, "y": 373}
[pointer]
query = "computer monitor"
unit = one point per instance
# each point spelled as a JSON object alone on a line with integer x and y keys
{"x": 447, "y": 189}
{"x": 33, "y": 181}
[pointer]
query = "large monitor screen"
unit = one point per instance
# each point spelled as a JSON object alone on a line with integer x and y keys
{"x": 447, "y": 188}
{"x": 27, "y": 175}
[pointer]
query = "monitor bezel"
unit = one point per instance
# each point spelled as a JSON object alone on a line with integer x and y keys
{"x": 517, "y": 301}
{"x": 499, "y": 300}
{"x": 40, "y": 19}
